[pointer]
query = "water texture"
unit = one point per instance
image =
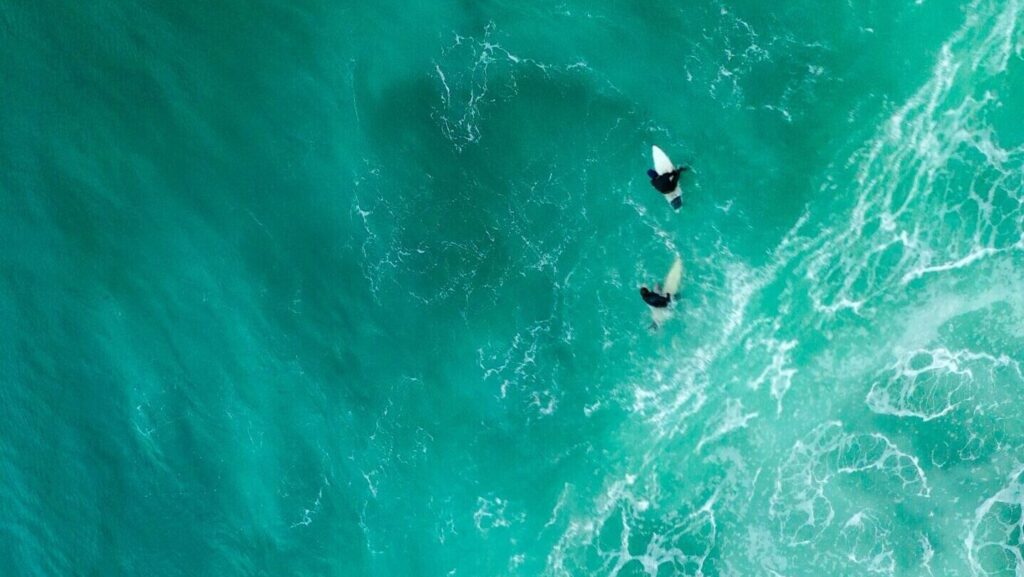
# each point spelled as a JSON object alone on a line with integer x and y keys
{"x": 349, "y": 288}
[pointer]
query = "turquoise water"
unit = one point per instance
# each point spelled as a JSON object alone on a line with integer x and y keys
{"x": 319, "y": 288}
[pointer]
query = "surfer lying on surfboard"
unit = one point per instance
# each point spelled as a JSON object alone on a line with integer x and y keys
{"x": 661, "y": 301}
{"x": 666, "y": 183}
{"x": 654, "y": 297}
{"x": 665, "y": 177}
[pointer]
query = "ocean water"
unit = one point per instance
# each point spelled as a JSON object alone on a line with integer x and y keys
{"x": 350, "y": 288}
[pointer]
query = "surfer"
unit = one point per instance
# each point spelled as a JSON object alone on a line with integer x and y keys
{"x": 660, "y": 303}
{"x": 654, "y": 298}
{"x": 667, "y": 182}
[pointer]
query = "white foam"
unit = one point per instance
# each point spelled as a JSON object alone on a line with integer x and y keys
{"x": 997, "y": 525}
{"x": 731, "y": 419}
{"x": 799, "y": 503}
{"x": 777, "y": 373}
{"x": 928, "y": 161}
{"x": 492, "y": 513}
{"x": 866, "y": 542}
{"x": 927, "y": 553}
{"x": 308, "y": 514}
{"x": 516, "y": 370}
{"x": 468, "y": 89}
{"x": 928, "y": 384}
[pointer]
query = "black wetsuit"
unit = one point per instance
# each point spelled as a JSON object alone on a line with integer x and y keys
{"x": 654, "y": 299}
{"x": 666, "y": 183}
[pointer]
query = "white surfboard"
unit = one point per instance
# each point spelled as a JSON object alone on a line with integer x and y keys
{"x": 674, "y": 277}
{"x": 663, "y": 164}
{"x": 672, "y": 281}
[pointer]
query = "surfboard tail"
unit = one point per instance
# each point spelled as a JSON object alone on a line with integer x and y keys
{"x": 660, "y": 317}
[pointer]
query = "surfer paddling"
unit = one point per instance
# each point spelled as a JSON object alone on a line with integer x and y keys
{"x": 655, "y": 298}
{"x": 660, "y": 299}
{"x": 665, "y": 177}
{"x": 667, "y": 182}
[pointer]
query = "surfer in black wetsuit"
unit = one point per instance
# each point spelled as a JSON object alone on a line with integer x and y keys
{"x": 666, "y": 183}
{"x": 654, "y": 298}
